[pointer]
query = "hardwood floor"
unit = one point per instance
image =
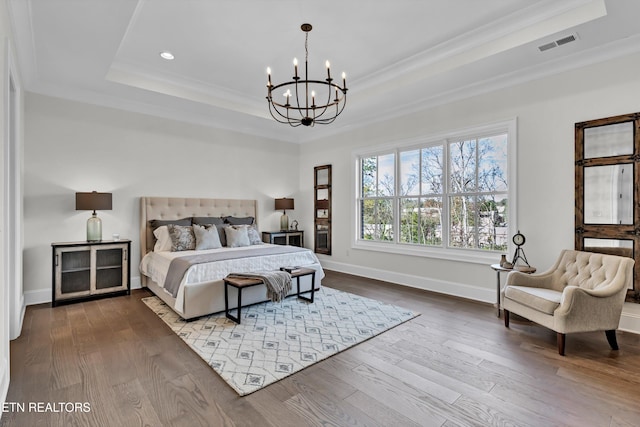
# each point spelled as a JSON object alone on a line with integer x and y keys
{"x": 455, "y": 365}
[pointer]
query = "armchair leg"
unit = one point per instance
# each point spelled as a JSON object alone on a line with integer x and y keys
{"x": 506, "y": 318}
{"x": 611, "y": 337}
{"x": 561, "y": 340}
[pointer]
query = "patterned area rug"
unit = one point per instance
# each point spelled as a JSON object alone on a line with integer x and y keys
{"x": 275, "y": 340}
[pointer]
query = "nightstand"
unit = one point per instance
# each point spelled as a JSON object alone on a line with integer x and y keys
{"x": 87, "y": 270}
{"x": 285, "y": 237}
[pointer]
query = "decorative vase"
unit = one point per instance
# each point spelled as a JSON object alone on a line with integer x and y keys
{"x": 503, "y": 260}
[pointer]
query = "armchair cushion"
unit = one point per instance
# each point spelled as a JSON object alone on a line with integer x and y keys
{"x": 544, "y": 300}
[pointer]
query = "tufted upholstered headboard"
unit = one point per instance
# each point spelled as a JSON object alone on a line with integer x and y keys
{"x": 179, "y": 207}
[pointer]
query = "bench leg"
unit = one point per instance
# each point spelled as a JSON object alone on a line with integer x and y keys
{"x": 611, "y": 337}
{"x": 313, "y": 288}
{"x": 227, "y": 312}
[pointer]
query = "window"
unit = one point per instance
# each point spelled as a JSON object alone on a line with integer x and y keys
{"x": 448, "y": 193}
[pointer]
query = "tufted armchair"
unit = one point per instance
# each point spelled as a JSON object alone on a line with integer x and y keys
{"x": 582, "y": 292}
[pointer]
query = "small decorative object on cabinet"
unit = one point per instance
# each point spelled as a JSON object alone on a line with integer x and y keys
{"x": 85, "y": 270}
{"x": 322, "y": 209}
{"x": 287, "y": 237}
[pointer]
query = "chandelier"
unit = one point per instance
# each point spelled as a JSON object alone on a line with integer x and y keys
{"x": 299, "y": 106}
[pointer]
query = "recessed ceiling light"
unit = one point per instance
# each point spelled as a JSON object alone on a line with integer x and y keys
{"x": 167, "y": 55}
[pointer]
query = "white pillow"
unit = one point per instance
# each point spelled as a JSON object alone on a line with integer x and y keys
{"x": 237, "y": 236}
{"x": 163, "y": 242}
{"x": 206, "y": 237}
{"x": 252, "y": 232}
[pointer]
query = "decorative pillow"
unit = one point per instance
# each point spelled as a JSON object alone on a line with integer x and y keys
{"x": 217, "y": 221}
{"x": 233, "y": 220}
{"x": 206, "y": 237}
{"x": 157, "y": 223}
{"x": 182, "y": 238}
{"x": 163, "y": 240}
{"x": 237, "y": 236}
{"x": 254, "y": 235}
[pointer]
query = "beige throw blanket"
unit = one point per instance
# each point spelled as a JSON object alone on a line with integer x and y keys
{"x": 278, "y": 282}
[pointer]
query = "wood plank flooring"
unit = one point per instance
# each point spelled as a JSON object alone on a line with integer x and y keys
{"x": 455, "y": 365}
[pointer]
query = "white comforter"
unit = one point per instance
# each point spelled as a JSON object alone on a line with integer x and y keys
{"x": 156, "y": 264}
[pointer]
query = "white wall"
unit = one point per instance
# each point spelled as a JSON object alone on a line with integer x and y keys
{"x": 546, "y": 111}
{"x": 71, "y": 147}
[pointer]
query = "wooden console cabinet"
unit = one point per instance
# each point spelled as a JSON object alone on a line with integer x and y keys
{"x": 85, "y": 270}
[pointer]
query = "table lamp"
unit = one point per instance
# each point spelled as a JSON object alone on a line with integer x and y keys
{"x": 284, "y": 204}
{"x": 91, "y": 202}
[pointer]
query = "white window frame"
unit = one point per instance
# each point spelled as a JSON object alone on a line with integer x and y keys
{"x": 479, "y": 256}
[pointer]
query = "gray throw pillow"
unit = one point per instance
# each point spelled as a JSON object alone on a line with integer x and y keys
{"x": 182, "y": 238}
{"x": 203, "y": 220}
{"x": 234, "y": 220}
{"x": 155, "y": 223}
{"x": 237, "y": 236}
{"x": 206, "y": 237}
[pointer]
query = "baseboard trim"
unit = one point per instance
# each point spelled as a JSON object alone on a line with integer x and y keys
{"x": 420, "y": 282}
{"x": 16, "y": 329}
{"x": 43, "y": 296}
{"x": 629, "y": 321}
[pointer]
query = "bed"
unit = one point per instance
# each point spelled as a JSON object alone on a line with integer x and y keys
{"x": 201, "y": 289}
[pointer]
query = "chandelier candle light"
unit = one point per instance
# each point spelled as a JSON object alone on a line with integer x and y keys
{"x": 304, "y": 110}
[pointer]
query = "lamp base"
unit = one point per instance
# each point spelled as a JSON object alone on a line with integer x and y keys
{"x": 284, "y": 222}
{"x": 94, "y": 229}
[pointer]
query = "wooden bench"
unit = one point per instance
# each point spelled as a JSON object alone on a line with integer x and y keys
{"x": 246, "y": 282}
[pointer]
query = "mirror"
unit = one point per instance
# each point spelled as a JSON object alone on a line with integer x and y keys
{"x": 322, "y": 176}
{"x": 607, "y": 141}
{"x": 607, "y": 181}
{"x": 608, "y": 194}
{"x": 322, "y": 194}
{"x": 609, "y": 246}
{"x": 322, "y": 209}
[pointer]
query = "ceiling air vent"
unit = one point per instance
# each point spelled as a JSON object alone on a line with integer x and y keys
{"x": 547, "y": 46}
{"x": 565, "y": 40}
{"x": 561, "y": 41}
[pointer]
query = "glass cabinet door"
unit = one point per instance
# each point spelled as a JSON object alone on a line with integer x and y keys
{"x": 73, "y": 271}
{"x": 110, "y": 268}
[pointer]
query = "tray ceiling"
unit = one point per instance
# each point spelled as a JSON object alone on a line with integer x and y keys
{"x": 400, "y": 56}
